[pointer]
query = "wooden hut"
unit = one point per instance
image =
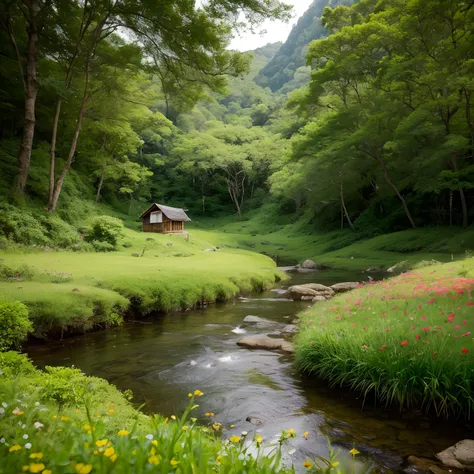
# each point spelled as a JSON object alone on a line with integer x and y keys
{"x": 164, "y": 219}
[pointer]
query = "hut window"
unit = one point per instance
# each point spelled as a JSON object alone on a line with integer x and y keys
{"x": 156, "y": 217}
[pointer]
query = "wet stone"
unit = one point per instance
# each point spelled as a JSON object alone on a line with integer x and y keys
{"x": 254, "y": 420}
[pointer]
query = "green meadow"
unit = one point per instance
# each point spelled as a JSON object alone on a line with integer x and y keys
{"x": 74, "y": 291}
{"x": 407, "y": 341}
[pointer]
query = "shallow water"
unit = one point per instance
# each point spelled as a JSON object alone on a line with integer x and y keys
{"x": 162, "y": 359}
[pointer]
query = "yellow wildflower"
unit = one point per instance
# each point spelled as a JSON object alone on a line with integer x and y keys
{"x": 232, "y": 426}
{"x": 154, "y": 460}
{"x": 198, "y": 393}
{"x": 209, "y": 414}
{"x": 258, "y": 439}
{"x": 87, "y": 428}
{"x": 111, "y": 411}
{"x": 134, "y": 452}
{"x": 82, "y": 468}
{"x": 154, "y": 442}
{"x": 354, "y": 451}
{"x": 174, "y": 463}
{"x": 37, "y": 467}
{"x": 16, "y": 447}
{"x": 335, "y": 464}
{"x": 152, "y": 451}
{"x": 65, "y": 418}
{"x": 47, "y": 471}
{"x": 86, "y": 445}
{"x": 305, "y": 434}
{"x": 218, "y": 459}
{"x": 113, "y": 457}
{"x": 291, "y": 432}
{"x": 166, "y": 420}
{"x": 185, "y": 428}
{"x": 216, "y": 426}
{"x": 36, "y": 456}
{"x": 307, "y": 464}
{"x": 122, "y": 433}
{"x": 54, "y": 417}
{"x": 101, "y": 442}
{"x": 234, "y": 439}
{"x": 190, "y": 395}
{"x": 18, "y": 412}
{"x": 25, "y": 468}
{"x": 108, "y": 452}
{"x": 95, "y": 451}
{"x": 173, "y": 417}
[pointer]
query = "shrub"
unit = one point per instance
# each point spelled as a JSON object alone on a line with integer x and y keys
{"x": 14, "y": 324}
{"x": 18, "y": 225}
{"x": 59, "y": 277}
{"x": 60, "y": 233}
{"x": 63, "y": 385}
{"x": 13, "y": 364}
{"x": 23, "y": 272}
{"x": 104, "y": 229}
{"x": 101, "y": 246}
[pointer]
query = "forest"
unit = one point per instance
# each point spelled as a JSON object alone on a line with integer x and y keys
{"x": 375, "y": 133}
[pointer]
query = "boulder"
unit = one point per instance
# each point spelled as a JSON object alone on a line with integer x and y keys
{"x": 459, "y": 456}
{"x": 254, "y": 420}
{"x": 310, "y": 291}
{"x": 346, "y": 286}
{"x": 254, "y": 319}
{"x": 290, "y": 328}
{"x": 318, "y": 298}
{"x": 309, "y": 264}
{"x": 266, "y": 343}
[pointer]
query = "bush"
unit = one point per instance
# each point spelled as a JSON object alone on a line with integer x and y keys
{"x": 100, "y": 246}
{"x": 14, "y": 324}
{"x": 13, "y": 364}
{"x": 18, "y": 225}
{"x": 104, "y": 229}
{"x": 60, "y": 233}
{"x": 23, "y": 272}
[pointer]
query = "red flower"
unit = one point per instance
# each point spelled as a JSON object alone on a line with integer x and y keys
{"x": 464, "y": 351}
{"x": 382, "y": 348}
{"x": 423, "y": 318}
{"x": 470, "y": 303}
{"x": 464, "y": 322}
{"x": 404, "y": 343}
{"x": 312, "y": 342}
{"x": 417, "y": 336}
{"x": 457, "y": 327}
{"x": 426, "y": 329}
{"x": 419, "y": 307}
{"x": 450, "y": 317}
{"x": 431, "y": 301}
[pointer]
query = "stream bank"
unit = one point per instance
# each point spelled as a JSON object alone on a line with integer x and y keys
{"x": 162, "y": 359}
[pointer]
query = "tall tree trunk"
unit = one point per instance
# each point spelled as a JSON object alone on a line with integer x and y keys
{"x": 30, "y": 87}
{"x": 52, "y": 154}
{"x": 101, "y": 182}
{"x": 465, "y": 218}
{"x": 392, "y": 185}
{"x": 345, "y": 209}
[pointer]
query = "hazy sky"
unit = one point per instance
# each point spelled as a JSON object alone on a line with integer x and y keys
{"x": 275, "y": 30}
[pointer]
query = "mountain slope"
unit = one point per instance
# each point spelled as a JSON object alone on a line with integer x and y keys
{"x": 292, "y": 54}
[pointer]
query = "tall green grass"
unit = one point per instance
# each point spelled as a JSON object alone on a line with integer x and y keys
{"x": 407, "y": 341}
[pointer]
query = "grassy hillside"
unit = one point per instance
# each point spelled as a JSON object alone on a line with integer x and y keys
{"x": 290, "y": 243}
{"x": 71, "y": 291}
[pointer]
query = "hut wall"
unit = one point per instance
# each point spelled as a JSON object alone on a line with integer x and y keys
{"x": 166, "y": 227}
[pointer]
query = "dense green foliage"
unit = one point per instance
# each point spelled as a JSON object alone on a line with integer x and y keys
{"x": 104, "y": 231}
{"x": 14, "y": 324}
{"x": 406, "y": 341}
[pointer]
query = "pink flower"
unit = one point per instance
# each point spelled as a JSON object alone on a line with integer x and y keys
{"x": 404, "y": 343}
{"x": 426, "y": 329}
{"x": 382, "y": 348}
{"x": 441, "y": 312}
{"x": 423, "y": 318}
{"x": 384, "y": 314}
{"x": 419, "y": 307}
{"x": 388, "y": 329}
{"x": 431, "y": 301}
{"x": 464, "y": 322}
{"x": 413, "y": 328}
{"x": 404, "y": 313}
{"x": 450, "y": 317}
{"x": 417, "y": 336}
{"x": 470, "y": 303}
{"x": 312, "y": 343}
{"x": 457, "y": 326}
{"x": 466, "y": 334}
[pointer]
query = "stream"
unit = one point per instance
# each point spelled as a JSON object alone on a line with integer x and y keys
{"x": 162, "y": 359}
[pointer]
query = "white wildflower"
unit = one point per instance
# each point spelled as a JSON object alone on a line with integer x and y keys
{"x": 25, "y": 436}
{"x": 37, "y": 404}
{"x": 2, "y": 440}
{"x": 28, "y": 445}
{"x": 4, "y": 405}
{"x": 38, "y": 425}
{"x": 2, "y": 411}
{"x": 149, "y": 436}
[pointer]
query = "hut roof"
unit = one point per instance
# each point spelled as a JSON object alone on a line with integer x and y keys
{"x": 172, "y": 213}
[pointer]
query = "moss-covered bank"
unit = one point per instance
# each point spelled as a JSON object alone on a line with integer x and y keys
{"x": 76, "y": 291}
{"x": 407, "y": 340}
